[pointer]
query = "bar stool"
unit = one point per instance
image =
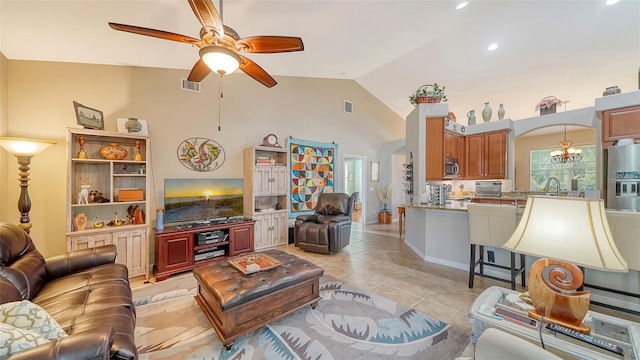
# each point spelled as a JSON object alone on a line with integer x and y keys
{"x": 492, "y": 225}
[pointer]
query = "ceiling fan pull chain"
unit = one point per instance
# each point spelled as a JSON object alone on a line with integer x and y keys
{"x": 220, "y": 103}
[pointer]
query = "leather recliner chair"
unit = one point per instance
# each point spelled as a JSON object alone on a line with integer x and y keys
{"x": 328, "y": 230}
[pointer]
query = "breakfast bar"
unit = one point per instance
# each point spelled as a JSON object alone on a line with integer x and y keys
{"x": 439, "y": 234}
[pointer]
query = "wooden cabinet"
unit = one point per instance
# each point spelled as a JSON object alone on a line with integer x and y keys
{"x": 440, "y": 144}
{"x": 434, "y": 152}
{"x": 265, "y": 190}
{"x": 271, "y": 229}
{"x": 486, "y": 155}
{"x": 623, "y": 123}
{"x": 498, "y": 201}
{"x": 101, "y": 191}
{"x": 241, "y": 240}
{"x": 178, "y": 250}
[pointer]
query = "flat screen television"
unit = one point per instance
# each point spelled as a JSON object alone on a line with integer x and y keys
{"x": 201, "y": 199}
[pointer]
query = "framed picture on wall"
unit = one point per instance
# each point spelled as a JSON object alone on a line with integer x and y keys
{"x": 375, "y": 175}
{"x": 89, "y": 118}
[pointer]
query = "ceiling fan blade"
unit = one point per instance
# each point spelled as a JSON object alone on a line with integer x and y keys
{"x": 156, "y": 33}
{"x": 199, "y": 71}
{"x": 271, "y": 44}
{"x": 255, "y": 71}
{"x": 207, "y": 15}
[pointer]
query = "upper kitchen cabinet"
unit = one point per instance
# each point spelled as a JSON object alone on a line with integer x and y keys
{"x": 454, "y": 148}
{"x": 623, "y": 123}
{"x": 486, "y": 155}
{"x": 434, "y": 151}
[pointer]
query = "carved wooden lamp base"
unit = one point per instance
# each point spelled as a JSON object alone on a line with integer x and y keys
{"x": 553, "y": 290}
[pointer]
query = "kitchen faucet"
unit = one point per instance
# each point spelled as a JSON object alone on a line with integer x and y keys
{"x": 546, "y": 186}
{"x": 518, "y": 193}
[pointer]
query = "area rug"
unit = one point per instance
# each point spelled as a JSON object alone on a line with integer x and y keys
{"x": 348, "y": 323}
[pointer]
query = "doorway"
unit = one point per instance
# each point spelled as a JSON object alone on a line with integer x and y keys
{"x": 354, "y": 182}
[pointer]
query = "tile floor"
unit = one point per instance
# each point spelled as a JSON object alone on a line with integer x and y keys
{"x": 378, "y": 260}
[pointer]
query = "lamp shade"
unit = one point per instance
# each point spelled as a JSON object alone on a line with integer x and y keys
{"x": 24, "y": 147}
{"x": 567, "y": 229}
{"x": 220, "y": 59}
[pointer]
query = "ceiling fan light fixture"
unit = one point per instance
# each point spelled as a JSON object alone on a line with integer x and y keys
{"x": 220, "y": 59}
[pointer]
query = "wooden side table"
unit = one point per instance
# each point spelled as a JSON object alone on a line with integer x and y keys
{"x": 400, "y": 219}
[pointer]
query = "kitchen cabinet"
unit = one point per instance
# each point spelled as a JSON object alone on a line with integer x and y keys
{"x": 486, "y": 155}
{"x": 441, "y": 143}
{"x": 265, "y": 191}
{"x": 623, "y": 123}
{"x": 102, "y": 191}
{"x": 434, "y": 151}
{"x": 498, "y": 201}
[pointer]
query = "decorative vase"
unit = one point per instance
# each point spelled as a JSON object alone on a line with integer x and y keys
{"x": 486, "y": 112}
{"x": 548, "y": 109}
{"x": 81, "y": 154}
{"x": 501, "y": 112}
{"x": 133, "y": 125}
{"x": 471, "y": 117}
{"x": 113, "y": 151}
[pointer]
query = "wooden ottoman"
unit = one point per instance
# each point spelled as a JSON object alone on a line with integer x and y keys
{"x": 237, "y": 304}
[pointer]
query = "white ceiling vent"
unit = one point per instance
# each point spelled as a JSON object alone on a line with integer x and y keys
{"x": 348, "y": 107}
{"x": 190, "y": 85}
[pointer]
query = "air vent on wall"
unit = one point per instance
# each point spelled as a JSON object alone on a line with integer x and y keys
{"x": 190, "y": 85}
{"x": 348, "y": 107}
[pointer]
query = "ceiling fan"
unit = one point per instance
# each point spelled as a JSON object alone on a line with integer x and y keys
{"x": 220, "y": 45}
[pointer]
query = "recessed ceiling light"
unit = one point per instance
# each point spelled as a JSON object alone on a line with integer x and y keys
{"x": 611, "y": 2}
{"x": 492, "y": 47}
{"x": 465, "y": 3}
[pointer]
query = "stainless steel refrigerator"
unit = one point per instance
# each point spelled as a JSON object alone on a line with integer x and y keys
{"x": 623, "y": 177}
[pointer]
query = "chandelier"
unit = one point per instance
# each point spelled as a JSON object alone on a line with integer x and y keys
{"x": 567, "y": 154}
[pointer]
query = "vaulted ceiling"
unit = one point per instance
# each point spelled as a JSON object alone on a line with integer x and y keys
{"x": 570, "y": 49}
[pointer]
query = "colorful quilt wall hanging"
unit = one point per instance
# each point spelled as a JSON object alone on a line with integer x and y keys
{"x": 312, "y": 171}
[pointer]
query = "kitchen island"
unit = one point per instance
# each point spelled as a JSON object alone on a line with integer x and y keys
{"x": 440, "y": 234}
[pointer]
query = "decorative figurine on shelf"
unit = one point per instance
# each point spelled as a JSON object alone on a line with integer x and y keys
{"x": 83, "y": 195}
{"x": 115, "y": 222}
{"x": 81, "y": 153}
{"x": 97, "y": 224}
{"x": 138, "y": 156}
{"x": 80, "y": 221}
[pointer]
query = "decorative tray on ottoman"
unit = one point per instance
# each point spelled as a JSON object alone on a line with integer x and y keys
{"x": 253, "y": 263}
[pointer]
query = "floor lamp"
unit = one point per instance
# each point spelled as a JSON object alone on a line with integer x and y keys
{"x": 565, "y": 232}
{"x": 24, "y": 150}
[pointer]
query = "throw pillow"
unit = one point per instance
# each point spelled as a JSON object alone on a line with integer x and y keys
{"x": 14, "y": 340}
{"x": 29, "y": 316}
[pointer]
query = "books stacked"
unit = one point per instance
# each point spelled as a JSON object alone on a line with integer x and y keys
{"x": 264, "y": 161}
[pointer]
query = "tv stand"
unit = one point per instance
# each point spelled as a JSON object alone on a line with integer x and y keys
{"x": 178, "y": 250}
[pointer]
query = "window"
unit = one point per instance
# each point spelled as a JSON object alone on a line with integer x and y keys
{"x": 582, "y": 172}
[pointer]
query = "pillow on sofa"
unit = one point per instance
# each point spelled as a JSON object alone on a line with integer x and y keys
{"x": 29, "y": 316}
{"x": 13, "y": 340}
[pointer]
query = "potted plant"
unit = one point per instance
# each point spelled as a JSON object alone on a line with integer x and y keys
{"x": 428, "y": 94}
{"x": 384, "y": 194}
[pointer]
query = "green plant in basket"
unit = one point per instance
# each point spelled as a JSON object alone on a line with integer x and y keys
{"x": 428, "y": 94}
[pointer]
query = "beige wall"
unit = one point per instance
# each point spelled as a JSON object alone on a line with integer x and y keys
{"x": 40, "y": 96}
{"x": 524, "y": 145}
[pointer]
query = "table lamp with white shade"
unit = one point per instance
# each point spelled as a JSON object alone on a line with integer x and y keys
{"x": 565, "y": 232}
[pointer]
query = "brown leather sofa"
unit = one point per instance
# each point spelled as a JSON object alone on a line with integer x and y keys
{"x": 329, "y": 229}
{"x": 85, "y": 291}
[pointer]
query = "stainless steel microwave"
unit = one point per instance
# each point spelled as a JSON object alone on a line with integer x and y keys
{"x": 451, "y": 167}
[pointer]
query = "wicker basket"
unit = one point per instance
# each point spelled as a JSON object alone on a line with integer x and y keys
{"x": 427, "y": 99}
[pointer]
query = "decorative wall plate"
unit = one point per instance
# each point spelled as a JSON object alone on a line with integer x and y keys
{"x": 201, "y": 154}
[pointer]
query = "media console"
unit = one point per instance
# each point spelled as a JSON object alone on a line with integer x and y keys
{"x": 183, "y": 248}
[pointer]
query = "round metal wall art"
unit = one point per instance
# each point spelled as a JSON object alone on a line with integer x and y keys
{"x": 201, "y": 154}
